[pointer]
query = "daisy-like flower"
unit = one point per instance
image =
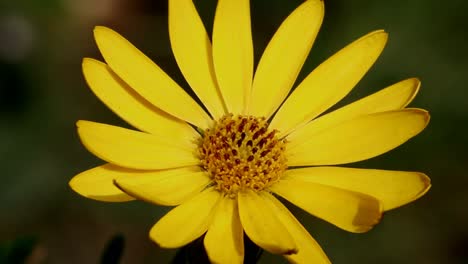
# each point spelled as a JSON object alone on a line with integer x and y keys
{"x": 224, "y": 167}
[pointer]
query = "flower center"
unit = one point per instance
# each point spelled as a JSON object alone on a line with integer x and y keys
{"x": 240, "y": 152}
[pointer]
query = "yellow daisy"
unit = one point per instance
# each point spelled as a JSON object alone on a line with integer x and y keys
{"x": 223, "y": 167}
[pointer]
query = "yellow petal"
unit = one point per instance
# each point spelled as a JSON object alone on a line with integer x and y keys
{"x": 283, "y": 58}
{"x": 97, "y": 183}
{"x": 147, "y": 79}
{"x": 126, "y": 103}
{"x": 224, "y": 241}
{"x": 186, "y": 222}
{"x": 233, "y": 53}
{"x": 329, "y": 82}
{"x": 359, "y": 139}
{"x": 192, "y": 50}
{"x": 391, "y": 188}
{"x": 261, "y": 223}
{"x": 309, "y": 251}
{"x": 351, "y": 211}
{"x": 165, "y": 187}
{"x": 394, "y": 97}
{"x": 134, "y": 149}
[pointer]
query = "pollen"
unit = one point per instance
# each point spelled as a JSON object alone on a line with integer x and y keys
{"x": 241, "y": 152}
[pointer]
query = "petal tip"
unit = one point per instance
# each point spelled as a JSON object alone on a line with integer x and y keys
{"x": 381, "y": 31}
{"x": 415, "y": 80}
{"x": 379, "y": 34}
{"x": 89, "y": 67}
{"x": 426, "y": 185}
{"x": 81, "y": 123}
{"x": 80, "y": 184}
{"x": 372, "y": 213}
{"x": 317, "y": 2}
{"x": 427, "y": 117}
{"x": 384, "y": 36}
{"x": 414, "y": 85}
{"x": 100, "y": 29}
{"x": 72, "y": 184}
{"x": 103, "y": 35}
{"x": 86, "y": 61}
{"x": 84, "y": 125}
{"x": 423, "y": 114}
{"x": 152, "y": 237}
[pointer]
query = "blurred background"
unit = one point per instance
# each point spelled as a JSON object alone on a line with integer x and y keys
{"x": 43, "y": 94}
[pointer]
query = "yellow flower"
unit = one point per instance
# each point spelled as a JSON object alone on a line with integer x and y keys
{"x": 223, "y": 167}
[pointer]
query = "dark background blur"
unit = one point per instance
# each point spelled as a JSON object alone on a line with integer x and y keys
{"x": 43, "y": 93}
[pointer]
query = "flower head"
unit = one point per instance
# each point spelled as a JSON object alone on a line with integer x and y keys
{"x": 254, "y": 142}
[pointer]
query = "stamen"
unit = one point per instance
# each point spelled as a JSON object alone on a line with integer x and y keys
{"x": 240, "y": 152}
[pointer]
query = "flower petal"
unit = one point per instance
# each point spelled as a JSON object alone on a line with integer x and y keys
{"x": 261, "y": 223}
{"x": 147, "y": 79}
{"x": 351, "y": 211}
{"x": 359, "y": 139}
{"x": 283, "y": 58}
{"x": 165, "y": 187}
{"x": 134, "y": 109}
{"x": 192, "y": 50}
{"x": 186, "y": 222}
{"x": 391, "y": 188}
{"x": 233, "y": 53}
{"x": 309, "y": 251}
{"x": 394, "y": 97}
{"x": 224, "y": 241}
{"x": 134, "y": 149}
{"x": 329, "y": 82}
{"x": 97, "y": 183}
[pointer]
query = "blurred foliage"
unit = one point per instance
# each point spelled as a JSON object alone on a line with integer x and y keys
{"x": 42, "y": 94}
{"x": 17, "y": 251}
{"x": 114, "y": 250}
{"x": 194, "y": 252}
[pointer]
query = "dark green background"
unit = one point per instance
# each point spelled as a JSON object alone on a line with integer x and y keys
{"x": 43, "y": 93}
